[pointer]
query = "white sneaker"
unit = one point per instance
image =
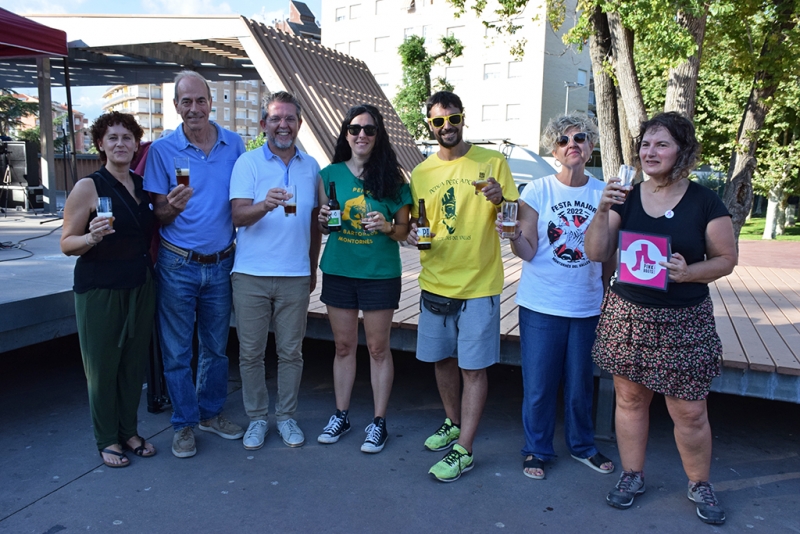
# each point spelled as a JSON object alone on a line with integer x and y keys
{"x": 291, "y": 433}
{"x": 254, "y": 437}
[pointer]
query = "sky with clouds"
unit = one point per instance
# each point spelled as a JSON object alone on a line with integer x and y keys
{"x": 88, "y": 99}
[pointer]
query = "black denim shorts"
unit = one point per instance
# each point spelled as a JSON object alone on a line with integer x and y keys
{"x": 360, "y": 293}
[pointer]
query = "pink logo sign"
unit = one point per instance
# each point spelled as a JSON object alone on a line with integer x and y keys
{"x": 639, "y": 259}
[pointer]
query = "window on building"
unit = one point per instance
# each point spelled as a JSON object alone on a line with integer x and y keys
{"x": 491, "y": 71}
{"x": 252, "y": 115}
{"x": 214, "y": 94}
{"x": 355, "y": 11}
{"x": 213, "y": 115}
{"x": 252, "y": 132}
{"x": 490, "y": 113}
{"x": 241, "y": 96}
{"x": 456, "y": 31}
{"x": 380, "y": 7}
{"x": 226, "y": 95}
{"x": 383, "y": 79}
{"x": 454, "y": 74}
{"x": 353, "y": 47}
{"x": 241, "y": 130}
{"x": 241, "y": 113}
{"x": 226, "y": 114}
{"x": 515, "y": 69}
{"x": 426, "y": 32}
{"x": 157, "y": 107}
{"x": 408, "y": 32}
{"x": 340, "y": 47}
{"x": 491, "y": 30}
{"x": 582, "y": 77}
{"x": 381, "y": 44}
{"x": 253, "y": 98}
{"x": 513, "y": 112}
{"x": 341, "y": 13}
{"x": 227, "y": 82}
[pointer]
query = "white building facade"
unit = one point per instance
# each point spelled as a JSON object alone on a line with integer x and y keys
{"x": 504, "y": 97}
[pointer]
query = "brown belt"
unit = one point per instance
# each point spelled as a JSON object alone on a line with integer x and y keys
{"x": 191, "y": 255}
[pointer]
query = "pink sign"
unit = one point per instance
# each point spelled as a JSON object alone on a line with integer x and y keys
{"x": 639, "y": 257}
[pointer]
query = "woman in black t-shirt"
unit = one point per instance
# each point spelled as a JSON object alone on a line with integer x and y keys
{"x": 654, "y": 341}
{"x": 114, "y": 291}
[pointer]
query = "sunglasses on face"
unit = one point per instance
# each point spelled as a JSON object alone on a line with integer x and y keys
{"x": 454, "y": 119}
{"x": 355, "y": 129}
{"x": 579, "y": 137}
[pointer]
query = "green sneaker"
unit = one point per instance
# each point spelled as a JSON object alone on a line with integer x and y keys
{"x": 449, "y": 468}
{"x": 442, "y": 438}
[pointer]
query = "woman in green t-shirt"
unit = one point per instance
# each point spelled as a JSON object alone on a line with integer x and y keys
{"x": 361, "y": 266}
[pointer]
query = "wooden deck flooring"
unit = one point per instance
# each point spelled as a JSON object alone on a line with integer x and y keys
{"x": 757, "y": 311}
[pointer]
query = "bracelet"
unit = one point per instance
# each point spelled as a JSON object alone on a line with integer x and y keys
{"x": 86, "y": 239}
{"x": 392, "y": 231}
{"x": 517, "y": 239}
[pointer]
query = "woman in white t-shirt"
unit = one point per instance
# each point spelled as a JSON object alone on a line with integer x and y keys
{"x": 559, "y": 298}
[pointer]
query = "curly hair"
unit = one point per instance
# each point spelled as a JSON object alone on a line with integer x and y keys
{"x": 383, "y": 175}
{"x": 446, "y": 99}
{"x": 560, "y": 124}
{"x": 682, "y": 131}
{"x": 105, "y": 121}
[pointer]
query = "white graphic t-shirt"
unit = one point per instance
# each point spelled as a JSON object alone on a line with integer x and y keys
{"x": 560, "y": 280}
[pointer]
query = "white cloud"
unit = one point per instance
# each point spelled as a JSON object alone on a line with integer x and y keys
{"x": 186, "y": 7}
{"x": 267, "y": 17}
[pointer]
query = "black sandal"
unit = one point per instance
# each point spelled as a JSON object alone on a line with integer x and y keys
{"x": 596, "y": 462}
{"x": 121, "y": 455}
{"x": 140, "y": 450}
{"x": 533, "y": 463}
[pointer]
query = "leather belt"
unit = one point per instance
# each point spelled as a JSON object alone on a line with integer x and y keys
{"x": 191, "y": 255}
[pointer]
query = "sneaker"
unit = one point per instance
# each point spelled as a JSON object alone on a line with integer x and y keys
{"x": 222, "y": 427}
{"x": 338, "y": 425}
{"x": 442, "y": 438}
{"x": 708, "y": 508}
{"x": 449, "y": 468}
{"x": 291, "y": 433}
{"x": 631, "y": 484}
{"x": 254, "y": 437}
{"x": 183, "y": 443}
{"x": 376, "y": 436}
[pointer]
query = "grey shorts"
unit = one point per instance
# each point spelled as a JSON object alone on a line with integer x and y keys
{"x": 472, "y": 334}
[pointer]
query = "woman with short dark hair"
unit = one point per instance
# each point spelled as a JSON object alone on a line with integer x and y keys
{"x": 361, "y": 267}
{"x": 114, "y": 290}
{"x": 656, "y": 341}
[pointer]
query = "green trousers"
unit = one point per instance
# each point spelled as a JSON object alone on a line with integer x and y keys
{"x": 114, "y": 329}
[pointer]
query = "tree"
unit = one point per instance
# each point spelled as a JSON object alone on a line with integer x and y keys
{"x": 35, "y": 135}
{"x": 12, "y": 110}
{"x": 417, "y": 85}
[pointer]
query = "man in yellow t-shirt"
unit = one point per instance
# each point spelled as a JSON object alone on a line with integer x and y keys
{"x": 461, "y": 337}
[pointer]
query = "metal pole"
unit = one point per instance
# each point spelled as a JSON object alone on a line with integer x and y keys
{"x": 71, "y": 132}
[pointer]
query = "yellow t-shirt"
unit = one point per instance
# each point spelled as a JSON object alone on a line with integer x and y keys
{"x": 464, "y": 258}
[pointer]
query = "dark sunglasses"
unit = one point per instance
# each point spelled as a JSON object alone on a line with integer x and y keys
{"x": 355, "y": 129}
{"x": 579, "y": 137}
{"x": 454, "y": 119}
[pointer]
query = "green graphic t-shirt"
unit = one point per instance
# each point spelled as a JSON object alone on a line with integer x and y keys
{"x": 353, "y": 252}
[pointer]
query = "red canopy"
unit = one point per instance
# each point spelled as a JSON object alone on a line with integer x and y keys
{"x": 21, "y": 37}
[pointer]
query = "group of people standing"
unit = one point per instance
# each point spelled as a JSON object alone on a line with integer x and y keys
{"x": 244, "y": 232}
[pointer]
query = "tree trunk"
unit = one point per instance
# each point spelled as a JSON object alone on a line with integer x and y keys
{"x": 781, "y": 226}
{"x": 739, "y": 188}
{"x": 775, "y": 196}
{"x": 605, "y": 96}
{"x": 682, "y": 83}
{"x": 625, "y": 68}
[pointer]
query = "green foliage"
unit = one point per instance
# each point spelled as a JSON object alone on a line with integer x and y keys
{"x": 754, "y": 229}
{"x": 417, "y": 86}
{"x": 256, "y": 142}
{"x": 12, "y": 110}
{"x": 35, "y": 135}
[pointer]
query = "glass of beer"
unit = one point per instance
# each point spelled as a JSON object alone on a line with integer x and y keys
{"x": 484, "y": 172}
{"x": 104, "y": 210}
{"x": 291, "y": 204}
{"x": 368, "y": 208}
{"x": 626, "y": 174}
{"x": 182, "y": 170}
{"x": 509, "y": 219}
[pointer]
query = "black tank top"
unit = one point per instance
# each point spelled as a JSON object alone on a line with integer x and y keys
{"x": 121, "y": 259}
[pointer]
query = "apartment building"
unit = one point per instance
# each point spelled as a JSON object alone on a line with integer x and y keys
{"x": 83, "y": 138}
{"x": 235, "y": 105}
{"x": 504, "y": 96}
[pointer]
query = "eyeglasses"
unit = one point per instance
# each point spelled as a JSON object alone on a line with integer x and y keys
{"x": 355, "y": 129}
{"x": 277, "y": 120}
{"x": 579, "y": 137}
{"x": 454, "y": 119}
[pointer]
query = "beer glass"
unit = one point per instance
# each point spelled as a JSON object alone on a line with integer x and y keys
{"x": 368, "y": 208}
{"x": 509, "y": 219}
{"x": 626, "y": 174}
{"x": 182, "y": 170}
{"x": 291, "y": 204}
{"x": 482, "y": 180}
{"x": 104, "y": 210}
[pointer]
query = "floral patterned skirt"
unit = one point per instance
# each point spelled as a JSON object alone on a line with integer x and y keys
{"x": 672, "y": 351}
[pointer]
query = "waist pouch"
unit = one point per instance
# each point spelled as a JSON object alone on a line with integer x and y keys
{"x": 440, "y": 305}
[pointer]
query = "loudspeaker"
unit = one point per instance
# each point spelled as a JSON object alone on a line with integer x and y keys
{"x": 22, "y": 157}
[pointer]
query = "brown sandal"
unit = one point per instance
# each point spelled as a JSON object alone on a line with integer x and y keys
{"x": 140, "y": 450}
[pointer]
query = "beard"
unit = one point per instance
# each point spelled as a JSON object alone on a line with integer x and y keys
{"x": 281, "y": 144}
{"x": 448, "y": 144}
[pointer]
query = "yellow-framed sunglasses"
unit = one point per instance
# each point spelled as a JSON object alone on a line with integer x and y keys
{"x": 455, "y": 119}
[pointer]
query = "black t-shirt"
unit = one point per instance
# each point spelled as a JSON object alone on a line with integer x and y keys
{"x": 687, "y": 230}
{"x": 121, "y": 259}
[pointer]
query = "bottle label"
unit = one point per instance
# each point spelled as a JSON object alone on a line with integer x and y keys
{"x": 335, "y": 218}
{"x": 424, "y": 234}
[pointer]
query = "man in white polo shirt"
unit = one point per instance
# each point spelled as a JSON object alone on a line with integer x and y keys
{"x": 275, "y": 268}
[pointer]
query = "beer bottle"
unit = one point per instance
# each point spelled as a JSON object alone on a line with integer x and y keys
{"x": 335, "y": 219}
{"x": 423, "y": 228}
